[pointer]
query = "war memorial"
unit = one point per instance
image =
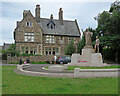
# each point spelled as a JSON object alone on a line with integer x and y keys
{"x": 90, "y": 58}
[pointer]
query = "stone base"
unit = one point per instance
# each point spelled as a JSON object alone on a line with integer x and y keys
{"x": 87, "y": 46}
{"x": 87, "y": 65}
{"x": 88, "y": 59}
{"x": 57, "y": 67}
{"x": 75, "y": 57}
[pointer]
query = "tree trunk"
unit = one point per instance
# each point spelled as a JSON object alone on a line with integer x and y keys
{"x": 116, "y": 56}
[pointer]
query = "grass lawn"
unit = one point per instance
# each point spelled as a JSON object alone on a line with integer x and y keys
{"x": 108, "y": 67}
{"x": 13, "y": 83}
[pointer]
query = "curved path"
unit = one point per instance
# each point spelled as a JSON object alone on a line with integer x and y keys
{"x": 39, "y": 71}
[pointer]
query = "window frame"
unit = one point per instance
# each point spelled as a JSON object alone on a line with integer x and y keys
{"x": 29, "y": 36}
{"x": 52, "y": 51}
{"x": 29, "y": 24}
{"x": 50, "y": 39}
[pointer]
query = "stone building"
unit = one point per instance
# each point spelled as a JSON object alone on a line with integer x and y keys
{"x": 6, "y": 46}
{"x": 44, "y": 36}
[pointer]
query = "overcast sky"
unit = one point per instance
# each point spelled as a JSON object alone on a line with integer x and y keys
{"x": 84, "y": 12}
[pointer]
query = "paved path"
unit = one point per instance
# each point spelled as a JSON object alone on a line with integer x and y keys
{"x": 39, "y": 69}
{"x": 33, "y": 70}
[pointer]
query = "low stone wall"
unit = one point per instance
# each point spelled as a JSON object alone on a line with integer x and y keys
{"x": 31, "y": 58}
{"x": 4, "y": 61}
{"x": 92, "y": 73}
{"x": 57, "y": 68}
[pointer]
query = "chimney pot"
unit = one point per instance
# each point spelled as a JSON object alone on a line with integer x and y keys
{"x": 61, "y": 16}
{"x": 37, "y": 5}
{"x": 37, "y": 13}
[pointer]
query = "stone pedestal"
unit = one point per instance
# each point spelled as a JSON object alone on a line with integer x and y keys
{"x": 96, "y": 60}
{"x": 86, "y": 54}
{"x": 88, "y": 59}
{"x": 75, "y": 58}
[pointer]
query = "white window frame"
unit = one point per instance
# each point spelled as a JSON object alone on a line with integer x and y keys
{"x": 61, "y": 40}
{"x": 50, "y": 39}
{"x": 29, "y": 36}
{"x": 29, "y": 24}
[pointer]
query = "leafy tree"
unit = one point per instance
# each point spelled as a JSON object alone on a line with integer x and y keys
{"x": 70, "y": 49}
{"x": 11, "y": 50}
{"x": 115, "y": 6}
{"x": 109, "y": 28}
{"x": 103, "y": 23}
{"x": 81, "y": 45}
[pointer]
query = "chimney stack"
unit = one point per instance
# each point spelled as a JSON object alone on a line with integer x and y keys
{"x": 25, "y": 12}
{"x": 61, "y": 16}
{"x": 37, "y": 13}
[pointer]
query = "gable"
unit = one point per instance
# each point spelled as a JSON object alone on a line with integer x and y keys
{"x": 27, "y": 25}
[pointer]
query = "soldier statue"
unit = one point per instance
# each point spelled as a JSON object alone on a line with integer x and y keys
{"x": 75, "y": 46}
{"x": 97, "y": 43}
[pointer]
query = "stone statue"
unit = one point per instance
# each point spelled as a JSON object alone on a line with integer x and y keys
{"x": 88, "y": 34}
{"x": 97, "y": 43}
{"x": 75, "y": 46}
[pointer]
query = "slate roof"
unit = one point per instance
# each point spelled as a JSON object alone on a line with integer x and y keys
{"x": 69, "y": 28}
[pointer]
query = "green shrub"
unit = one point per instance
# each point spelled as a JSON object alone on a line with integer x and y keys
{"x": 70, "y": 49}
{"x": 37, "y": 55}
{"x": 109, "y": 53}
{"x": 14, "y": 63}
{"x": 26, "y": 54}
{"x": 39, "y": 62}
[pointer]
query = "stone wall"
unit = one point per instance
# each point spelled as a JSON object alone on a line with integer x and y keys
{"x": 93, "y": 73}
{"x": 58, "y": 43}
{"x": 31, "y": 58}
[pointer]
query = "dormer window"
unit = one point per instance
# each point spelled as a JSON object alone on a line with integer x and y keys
{"x": 51, "y": 24}
{"x": 29, "y": 24}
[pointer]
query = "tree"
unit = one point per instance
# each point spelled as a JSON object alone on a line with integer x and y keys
{"x": 11, "y": 50}
{"x": 103, "y": 23}
{"x": 109, "y": 28}
{"x": 115, "y": 6}
{"x": 69, "y": 50}
{"x": 81, "y": 45}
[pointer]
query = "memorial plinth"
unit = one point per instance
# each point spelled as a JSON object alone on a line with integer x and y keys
{"x": 88, "y": 59}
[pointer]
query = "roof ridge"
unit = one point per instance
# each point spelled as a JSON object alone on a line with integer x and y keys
{"x": 58, "y": 19}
